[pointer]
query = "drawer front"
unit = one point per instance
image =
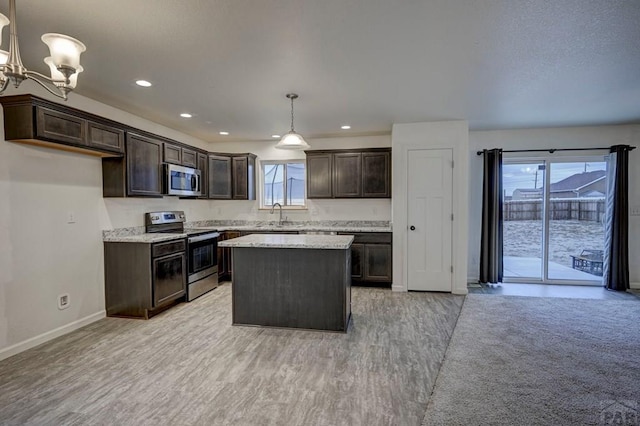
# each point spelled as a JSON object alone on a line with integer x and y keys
{"x": 60, "y": 127}
{"x": 370, "y": 237}
{"x": 163, "y": 249}
{"x": 106, "y": 137}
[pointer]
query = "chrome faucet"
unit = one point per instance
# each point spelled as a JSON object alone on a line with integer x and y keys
{"x": 273, "y": 208}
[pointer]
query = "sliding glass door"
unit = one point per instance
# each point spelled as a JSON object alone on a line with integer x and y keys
{"x": 554, "y": 220}
{"x": 523, "y": 226}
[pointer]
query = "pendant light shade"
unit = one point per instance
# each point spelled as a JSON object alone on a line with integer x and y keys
{"x": 292, "y": 140}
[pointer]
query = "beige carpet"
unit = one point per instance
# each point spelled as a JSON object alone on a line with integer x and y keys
{"x": 540, "y": 361}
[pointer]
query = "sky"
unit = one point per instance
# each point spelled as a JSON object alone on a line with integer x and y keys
{"x": 516, "y": 176}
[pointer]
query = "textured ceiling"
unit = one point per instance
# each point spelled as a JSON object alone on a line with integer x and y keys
{"x": 368, "y": 63}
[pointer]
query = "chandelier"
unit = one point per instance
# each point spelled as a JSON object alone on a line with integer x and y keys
{"x": 292, "y": 140}
{"x": 64, "y": 61}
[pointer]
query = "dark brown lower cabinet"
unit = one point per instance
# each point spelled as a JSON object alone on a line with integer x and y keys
{"x": 357, "y": 255}
{"x": 371, "y": 259}
{"x": 142, "y": 279}
{"x": 292, "y": 287}
{"x": 377, "y": 265}
{"x": 225, "y": 268}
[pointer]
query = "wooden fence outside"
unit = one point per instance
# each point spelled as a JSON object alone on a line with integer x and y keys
{"x": 585, "y": 209}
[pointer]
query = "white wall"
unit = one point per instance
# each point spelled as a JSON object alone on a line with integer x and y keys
{"x": 576, "y": 137}
{"x": 42, "y": 256}
{"x": 437, "y": 135}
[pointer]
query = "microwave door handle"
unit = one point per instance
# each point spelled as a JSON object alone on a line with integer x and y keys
{"x": 194, "y": 182}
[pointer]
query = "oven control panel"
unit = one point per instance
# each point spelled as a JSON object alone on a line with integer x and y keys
{"x": 159, "y": 218}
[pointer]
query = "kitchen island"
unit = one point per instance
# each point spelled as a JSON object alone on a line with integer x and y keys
{"x": 292, "y": 281}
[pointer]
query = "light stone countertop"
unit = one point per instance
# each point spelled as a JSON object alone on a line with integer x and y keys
{"x": 143, "y": 238}
{"x": 335, "y": 242}
{"x": 137, "y": 234}
{"x": 301, "y": 228}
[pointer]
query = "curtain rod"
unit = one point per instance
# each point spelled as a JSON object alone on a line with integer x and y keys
{"x": 552, "y": 150}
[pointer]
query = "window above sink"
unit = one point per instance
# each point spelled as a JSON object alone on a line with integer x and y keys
{"x": 283, "y": 182}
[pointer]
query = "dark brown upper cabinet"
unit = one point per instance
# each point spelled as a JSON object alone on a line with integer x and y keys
{"x": 105, "y": 137}
{"x": 144, "y": 166}
{"x": 376, "y": 174}
{"x": 347, "y": 175}
{"x": 202, "y": 164}
{"x": 33, "y": 120}
{"x": 137, "y": 175}
{"x": 232, "y": 176}
{"x": 219, "y": 177}
{"x": 243, "y": 170}
{"x": 361, "y": 173}
{"x": 189, "y": 158}
{"x": 319, "y": 175}
{"x": 172, "y": 154}
{"x": 176, "y": 154}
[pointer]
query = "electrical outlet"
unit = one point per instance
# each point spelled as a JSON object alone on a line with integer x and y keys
{"x": 635, "y": 211}
{"x": 64, "y": 301}
{"x": 71, "y": 217}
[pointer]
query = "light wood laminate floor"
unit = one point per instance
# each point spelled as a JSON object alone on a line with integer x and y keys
{"x": 189, "y": 366}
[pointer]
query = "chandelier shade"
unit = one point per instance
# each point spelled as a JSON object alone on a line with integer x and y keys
{"x": 292, "y": 140}
{"x": 64, "y": 61}
{"x": 65, "y": 50}
{"x": 57, "y": 75}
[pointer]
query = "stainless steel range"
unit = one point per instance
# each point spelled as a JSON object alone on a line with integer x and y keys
{"x": 202, "y": 250}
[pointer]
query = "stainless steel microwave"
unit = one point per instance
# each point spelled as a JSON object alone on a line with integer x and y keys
{"x": 179, "y": 180}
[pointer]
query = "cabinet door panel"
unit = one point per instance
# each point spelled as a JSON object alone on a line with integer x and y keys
{"x": 240, "y": 168}
{"x": 189, "y": 158}
{"x": 219, "y": 177}
{"x": 319, "y": 176}
{"x": 172, "y": 154}
{"x": 169, "y": 281}
{"x": 144, "y": 159}
{"x": 357, "y": 257}
{"x": 377, "y": 262}
{"x": 347, "y": 175}
{"x": 105, "y": 137}
{"x": 60, "y": 127}
{"x": 203, "y": 166}
{"x": 376, "y": 174}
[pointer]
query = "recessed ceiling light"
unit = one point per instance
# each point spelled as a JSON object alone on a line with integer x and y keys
{"x": 224, "y": 133}
{"x": 186, "y": 115}
{"x": 275, "y": 136}
{"x": 345, "y": 127}
{"x": 143, "y": 83}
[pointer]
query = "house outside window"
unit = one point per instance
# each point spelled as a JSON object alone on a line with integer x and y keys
{"x": 283, "y": 182}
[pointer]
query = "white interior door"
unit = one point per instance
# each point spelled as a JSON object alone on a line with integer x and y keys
{"x": 429, "y": 214}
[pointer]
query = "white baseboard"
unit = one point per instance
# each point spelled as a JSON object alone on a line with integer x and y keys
{"x": 460, "y": 291}
{"x": 398, "y": 288}
{"x": 50, "y": 335}
{"x": 634, "y": 286}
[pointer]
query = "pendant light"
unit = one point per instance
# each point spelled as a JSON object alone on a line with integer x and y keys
{"x": 292, "y": 140}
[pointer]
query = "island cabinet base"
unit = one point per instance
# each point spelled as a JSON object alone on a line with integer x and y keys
{"x": 292, "y": 288}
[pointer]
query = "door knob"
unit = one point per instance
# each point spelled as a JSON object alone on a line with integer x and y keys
{"x": 413, "y": 228}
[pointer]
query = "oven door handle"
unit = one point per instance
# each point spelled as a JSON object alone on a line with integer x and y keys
{"x": 204, "y": 237}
